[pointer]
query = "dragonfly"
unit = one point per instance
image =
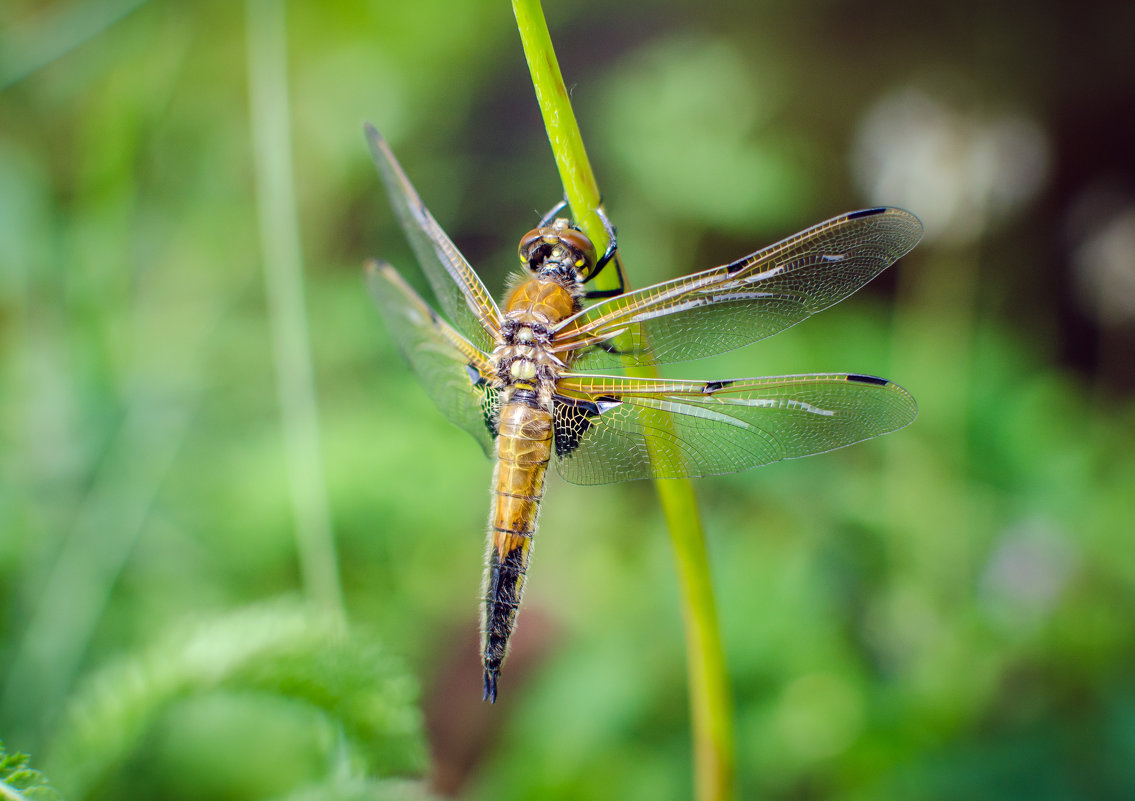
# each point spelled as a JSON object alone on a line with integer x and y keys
{"x": 522, "y": 377}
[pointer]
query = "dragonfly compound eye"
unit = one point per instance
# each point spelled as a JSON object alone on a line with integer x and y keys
{"x": 581, "y": 249}
{"x": 528, "y": 244}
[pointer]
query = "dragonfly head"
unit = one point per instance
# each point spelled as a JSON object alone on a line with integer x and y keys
{"x": 558, "y": 250}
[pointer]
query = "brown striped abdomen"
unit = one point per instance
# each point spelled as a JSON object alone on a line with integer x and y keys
{"x": 524, "y": 445}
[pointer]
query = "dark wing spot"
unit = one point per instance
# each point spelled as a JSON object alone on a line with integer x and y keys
{"x": 740, "y": 264}
{"x": 490, "y": 398}
{"x": 604, "y": 403}
{"x": 855, "y": 215}
{"x": 475, "y": 376}
{"x": 490, "y": 410}
{"x": 714, "y": 386}
{"x": 868, "y": 379}
{"x": 571, "y": 417}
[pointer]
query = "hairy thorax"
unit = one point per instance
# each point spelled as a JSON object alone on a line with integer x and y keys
{"x": 524, "y": 363}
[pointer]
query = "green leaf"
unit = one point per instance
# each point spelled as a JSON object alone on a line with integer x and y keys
{"x": 18, "y": 782}
{"x": 280, "y": 650}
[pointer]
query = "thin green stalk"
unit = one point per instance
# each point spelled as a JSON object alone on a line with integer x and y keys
{"x": 283, "y": 275}
{"x": 710, "y": 703}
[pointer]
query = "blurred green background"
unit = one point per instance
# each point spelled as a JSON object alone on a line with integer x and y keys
{"x": 944, "y": 613}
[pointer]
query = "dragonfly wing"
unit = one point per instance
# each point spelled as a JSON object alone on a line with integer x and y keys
{"x": 735, "y": 304}
{"x": 611, "y": 428}
{"x": 460, "y": 292}
{"x": 455, "y": 373}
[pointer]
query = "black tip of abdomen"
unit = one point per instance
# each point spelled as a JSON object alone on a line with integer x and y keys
{"x": 491, "y": 677}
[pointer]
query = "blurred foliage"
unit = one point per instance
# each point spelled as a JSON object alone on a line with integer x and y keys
{"x": 362, "y": 790}
{"x": 294, "y": 660}
{"x": 19, "y": 782}
{"x": 942, "y": 614}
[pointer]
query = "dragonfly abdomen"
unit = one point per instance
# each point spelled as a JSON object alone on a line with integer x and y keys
{"x": 524, "y": 446}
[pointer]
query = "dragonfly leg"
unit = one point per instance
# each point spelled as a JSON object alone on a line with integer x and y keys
{"x": 607, "y": 258}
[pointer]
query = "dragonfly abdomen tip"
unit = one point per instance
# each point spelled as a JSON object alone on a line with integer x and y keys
{"x": 491, "y": 677}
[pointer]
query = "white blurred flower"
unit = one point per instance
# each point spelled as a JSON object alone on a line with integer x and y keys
{"x": 960, "y": 173}
{"x": 1028, "y": 569}
{"x": 1104, "y": 263}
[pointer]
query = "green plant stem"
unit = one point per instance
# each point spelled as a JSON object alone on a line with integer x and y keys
{"x": 283, "y": 275}
{"x": 710, "y": 703}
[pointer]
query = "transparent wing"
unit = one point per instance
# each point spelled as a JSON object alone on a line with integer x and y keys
{"x": 460, "y": 292}
{"x": 735, "y": 304}
{"x": 454, "y": 372}
{"x": 610, "y": 428}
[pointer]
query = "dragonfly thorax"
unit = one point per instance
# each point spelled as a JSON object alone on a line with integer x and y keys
{"x": 523, "y": 356}
{"x": 526, "y": 361}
